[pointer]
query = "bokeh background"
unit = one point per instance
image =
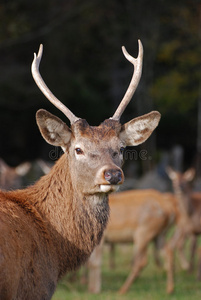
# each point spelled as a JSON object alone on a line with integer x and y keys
{"x": 84, "y": 67}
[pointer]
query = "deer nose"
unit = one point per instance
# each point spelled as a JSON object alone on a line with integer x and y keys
{"x": 113, "y": 176}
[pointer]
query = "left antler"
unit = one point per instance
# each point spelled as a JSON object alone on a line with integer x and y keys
{"x": 45, "y": 90}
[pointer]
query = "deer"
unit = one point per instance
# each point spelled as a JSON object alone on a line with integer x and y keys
{"x": 11, "y": 177}
{"x": 139, "y": 217}
{"x": 51, "y": 228}
{"x": 190, "y": 210}
{"x": 144, "y": 216}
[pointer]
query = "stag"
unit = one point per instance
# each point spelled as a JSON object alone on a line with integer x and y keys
{"x": 52, "y": 227}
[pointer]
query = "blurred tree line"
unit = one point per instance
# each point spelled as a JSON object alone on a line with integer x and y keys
{"x": 84, "y": 67}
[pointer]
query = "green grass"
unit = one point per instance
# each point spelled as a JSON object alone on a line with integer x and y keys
{"x": 151, "y": 284}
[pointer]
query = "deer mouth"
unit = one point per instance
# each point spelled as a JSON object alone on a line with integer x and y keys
{"x": 106, "y": 188}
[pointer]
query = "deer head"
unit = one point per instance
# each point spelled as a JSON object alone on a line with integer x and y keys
{"x": 11, "y": 177}
{"x": 181, "y": 180}
{"x": 95, "y": 154}
{"x": 182, "y": 189}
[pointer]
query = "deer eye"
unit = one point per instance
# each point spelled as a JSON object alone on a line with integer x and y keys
{"x": 79, "y": 151}
{"x": 115, "y": 154}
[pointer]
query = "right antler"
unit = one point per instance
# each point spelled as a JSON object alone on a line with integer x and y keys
{"x": 137, "y": 63}
{"x": 45, "y": 90}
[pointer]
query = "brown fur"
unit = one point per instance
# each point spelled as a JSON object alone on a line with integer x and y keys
{"x": 139, "y": 216}
{"x": 40, "y": 250}
{"x": 144, "y": 216}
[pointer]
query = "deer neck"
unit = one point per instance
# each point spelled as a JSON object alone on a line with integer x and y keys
{"x": 184, "y": 203}
{"x": 75, "y": 221}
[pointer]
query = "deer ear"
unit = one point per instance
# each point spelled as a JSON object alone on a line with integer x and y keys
{"x": 138, "y": 130}
{"x": 171, "y": 173}
{"x": 53, "y": 129}
{"x": 23, "y": 168}
{"x": 189, "y": 174}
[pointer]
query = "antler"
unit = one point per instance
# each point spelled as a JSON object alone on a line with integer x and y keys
{"x": 137, "y": 63}
{"x": 45, "y": 90}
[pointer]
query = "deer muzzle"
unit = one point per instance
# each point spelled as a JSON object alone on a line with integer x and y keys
{"x": 109, "y": 178}
{"x": 113, "y": 176}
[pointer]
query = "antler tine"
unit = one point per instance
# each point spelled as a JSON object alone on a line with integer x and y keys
{"x": 45, "y": 90}
{"x": 137, "y": 63}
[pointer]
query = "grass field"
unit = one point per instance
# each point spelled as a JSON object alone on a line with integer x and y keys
{"x": 151, "y": 285}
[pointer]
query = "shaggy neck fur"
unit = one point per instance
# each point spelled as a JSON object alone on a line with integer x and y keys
{"x": 75, "y": 223}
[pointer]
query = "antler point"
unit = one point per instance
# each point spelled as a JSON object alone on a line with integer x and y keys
{"x": 40, "y": 51}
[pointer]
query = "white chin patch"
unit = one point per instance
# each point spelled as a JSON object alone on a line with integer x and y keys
{"x": 105, "y": 188}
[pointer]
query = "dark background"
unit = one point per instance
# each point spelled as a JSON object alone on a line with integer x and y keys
{"x": 84, "y": 67}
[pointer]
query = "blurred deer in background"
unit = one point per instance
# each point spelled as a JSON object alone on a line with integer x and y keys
{"x": 44, "y": 165}
{"x": 190, "y": 209}
{"x": 11, "y": 177}
{"x": 52, "y": 227}
{"x": 141, "y": 217}
{"x": 144, "y": 216}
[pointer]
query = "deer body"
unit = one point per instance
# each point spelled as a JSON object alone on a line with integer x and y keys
{"x": 195, "y": 213}
{"x": 138, "y": 216}
{"x": 133, "y": 209}
{"x": 189, "y": 202}
{"x": 27, "y": 258}
{"x": 52, "y": 227}
{"x": 51, "y": 234}
{"x": 190, "y": 214}
{"x": 143, "y": 216}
